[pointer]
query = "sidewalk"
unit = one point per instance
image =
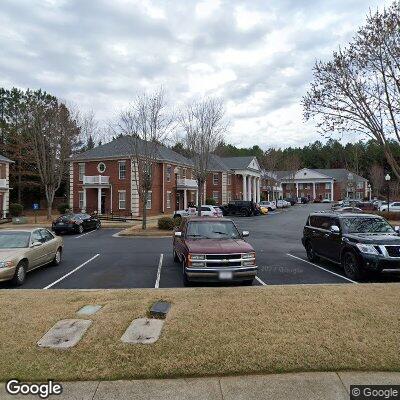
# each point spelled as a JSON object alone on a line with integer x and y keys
{"x": 300, "y": 386}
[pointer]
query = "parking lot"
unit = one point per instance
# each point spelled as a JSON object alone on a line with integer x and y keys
{"x": 99, "y": 259}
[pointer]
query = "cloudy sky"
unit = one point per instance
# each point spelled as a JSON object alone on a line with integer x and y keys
{"x": 256, "y": 54}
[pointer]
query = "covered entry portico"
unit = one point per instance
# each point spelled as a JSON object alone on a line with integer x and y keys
{"x": 97, "y": 194}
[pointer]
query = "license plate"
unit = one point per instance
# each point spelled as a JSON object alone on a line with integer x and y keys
{"x": 225, "y": 275}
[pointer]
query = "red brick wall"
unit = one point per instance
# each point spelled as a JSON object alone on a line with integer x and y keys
{"x": 210, "y": 187}
{"x": 92, "y": 193}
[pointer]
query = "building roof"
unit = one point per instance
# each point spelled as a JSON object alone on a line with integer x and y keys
{"x": 339, "y": 174}
{"x": 5, "y": 159}
{"x": 216, "y": 163}
{"x": 238, "y": 162}
{"x": 123, "y": 146}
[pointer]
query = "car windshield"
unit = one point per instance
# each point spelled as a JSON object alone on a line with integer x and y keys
{"x": 14, "y": 240}
{"x": 212, "y": 230}
{"x": 366, "y": 225}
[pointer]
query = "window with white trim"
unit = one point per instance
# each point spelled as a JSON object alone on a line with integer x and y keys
{"x": 121, "y": 199}
{"x": 229, "y": 179}
{"x": 216, "y": 196}
{"x": 184, "y": 173}
{"x": 149, "y": 200}
{"x": 168, "y": 173}
{"x": 101, "y": 167}
{"x": 360, "y": 185}
{"x": 121, "y": 169}
{"x": 229, "y": 196}
{"x": 328, "y": 196}
{"x": 168, "y": 199}
{"x": 215, "y": 179}
{"x": 81, "y": 200}
{"x": 327, "y": 185}
{"x": 81, "y": 171}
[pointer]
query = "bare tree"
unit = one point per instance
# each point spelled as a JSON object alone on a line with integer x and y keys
{"x": 52, "y": 130}
{"x": 377, "y": 178}
{"x": 358, "y": 91}
{"x": 147, "y": 122}
{"x": 204, "y": 126}
{"x": 292, "y": 165}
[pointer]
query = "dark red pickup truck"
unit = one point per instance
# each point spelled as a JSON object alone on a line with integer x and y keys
{"x": 213, "y": 250}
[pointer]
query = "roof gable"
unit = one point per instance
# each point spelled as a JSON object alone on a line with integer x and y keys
{"x": 242, "y": 163}
{"x": 304, "y": 174}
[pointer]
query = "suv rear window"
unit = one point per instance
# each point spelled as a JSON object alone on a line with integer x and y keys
{"x": 323, "y": 221}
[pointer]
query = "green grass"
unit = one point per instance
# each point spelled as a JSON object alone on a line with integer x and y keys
{"x": 209, "y": 331}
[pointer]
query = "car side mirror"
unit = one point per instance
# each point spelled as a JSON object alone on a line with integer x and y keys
{"x": 397, "y": 229}
{"x": 178, "y": 234}
{"x": 245, "y": 233}
{"x": 335, "y": 229}
{"x": 36, "y": 244}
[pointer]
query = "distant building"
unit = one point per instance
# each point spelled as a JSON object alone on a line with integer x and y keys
{"x": 4, "y": 185}
{"x": 332, "y": 184}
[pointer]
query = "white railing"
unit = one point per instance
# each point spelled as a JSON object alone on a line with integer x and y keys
{"x": 187, "y": 183}
{"x": 96, "y": 180}
{"x": 3, "y": 183}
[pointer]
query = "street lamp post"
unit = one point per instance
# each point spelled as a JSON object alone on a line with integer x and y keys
{"x": 387, "y": 179}
{"x": 370, "y": 192}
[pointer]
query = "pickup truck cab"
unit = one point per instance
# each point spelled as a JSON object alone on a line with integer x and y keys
{"x": 213, "y": 250}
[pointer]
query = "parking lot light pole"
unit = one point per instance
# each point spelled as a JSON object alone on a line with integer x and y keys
{"x": 387, "y": 179}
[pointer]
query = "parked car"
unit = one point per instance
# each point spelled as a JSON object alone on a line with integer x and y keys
{"x": 206, "y": 211}
{"x": 291, "y": 200}
{"x": 241, "y": 207}
{"x": 75, "y": 223}
{"x": 269, "y": 204}
{"x": 213, "y": 250}
{"x": 394, "y": 206}
{"x": 348, "y": 209}
{"x": 304, "y": 200}
{"x": 326, "y": 201}
{"x": 357, "y": 242}
{"x": 25, "y": 250}
{"x": 282, "y": 203}
{"x": 263, "y": 210}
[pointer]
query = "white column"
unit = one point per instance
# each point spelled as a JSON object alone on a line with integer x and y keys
{"x": 249, "y": 187}
{"x": 99, "y": 200}
{"x": 254, "y": 189}
{"x": 297, "y": 189}
{"x": 332, "y": 190}
{"x": 5, "y": 204}
{"x": 84, "y": 199}
{"x": 258, "y": 190}
{"x": 244, "y": 187}
{"x": 313, "y": 189}
{"x": 184, "y": 199}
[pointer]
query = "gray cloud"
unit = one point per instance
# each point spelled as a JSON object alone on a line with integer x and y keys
{"x": 257, "y": 55}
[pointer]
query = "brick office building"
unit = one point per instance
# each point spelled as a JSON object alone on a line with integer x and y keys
{"x": 103, "y": 180}
{"x": 4, "y": 185}
{"x": 332, "y": 184}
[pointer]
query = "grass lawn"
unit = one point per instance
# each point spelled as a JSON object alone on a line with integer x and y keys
{"x": 209, "y": 331}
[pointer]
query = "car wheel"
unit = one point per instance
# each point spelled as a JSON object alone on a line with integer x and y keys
{"x": 57, "y": 257}
{"x": 176, "y": 258}
{"x": 351, "y": 266}
{"x": 80, "y": 229}
{"x": 310, "y": 252}
{"x": 248, "y": 282}
{"x": 20, "y": 274}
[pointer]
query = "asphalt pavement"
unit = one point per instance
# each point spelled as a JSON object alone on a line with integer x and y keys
{"x": 99, "y": 259}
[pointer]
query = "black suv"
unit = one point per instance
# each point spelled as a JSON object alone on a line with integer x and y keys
{"x": 358, "y": 242}
{"x": 240, "y": 207}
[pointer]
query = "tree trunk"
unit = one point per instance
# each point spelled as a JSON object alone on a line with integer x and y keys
{"x": 144, "y": 212}
{"x": 49, "y": 200}
{"x": 19, "y": 190}
{"x": 199, "y": 196}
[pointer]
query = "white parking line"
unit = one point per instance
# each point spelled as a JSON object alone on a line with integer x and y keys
{"x": 157, "y": 285}
{"x": 71, "y": 272}
{"x": 84, "y": 234}
{"x": 324, "y": 269}
{"x": 260, "y": 281}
